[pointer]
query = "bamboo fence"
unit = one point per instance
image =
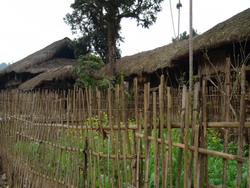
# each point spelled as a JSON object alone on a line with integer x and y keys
{"x": 92, "y": 138}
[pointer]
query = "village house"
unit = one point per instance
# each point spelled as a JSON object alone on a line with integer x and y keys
{"x": 227, "y": 41}
{"x": 48, "y": 68}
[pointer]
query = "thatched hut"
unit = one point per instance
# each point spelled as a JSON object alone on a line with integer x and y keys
{"x": 47, "y": 68}
{"x": 230, "y": 38}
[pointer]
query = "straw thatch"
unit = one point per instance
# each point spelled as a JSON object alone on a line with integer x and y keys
{"x": 38, "y": 61}
{"x": 233, "y": 30}
{"x": 50, "y": 63}
{"x": 54, "y": 75}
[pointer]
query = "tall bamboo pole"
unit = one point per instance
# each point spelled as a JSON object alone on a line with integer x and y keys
{"x": 191, "y": 83}
{"x": 190, "y": 47}
{"x": 242, "y": 122}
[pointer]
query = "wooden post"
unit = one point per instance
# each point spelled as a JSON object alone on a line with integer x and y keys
{"x": 227, "y": 117}
{"x": 186, "y": 157}
{"x": 146, "y": 142}
{"x": 169, "y": 136}
{"x": 161, "y": 106}
{"x": 196, "y": 136}
{"x": 183, "y": 111}
{"x": 138, "y": 179}
{"x": 242, "y": 122}
{"x": 203, "y": 133}
{"x": 156, "y": 176}
{"x": 118, "y": 135}
{"x": 136, "y": 109}
{"x": 111, "y": 134}
{"x": 101, "y": 135}
{"x": 125, "y": 138}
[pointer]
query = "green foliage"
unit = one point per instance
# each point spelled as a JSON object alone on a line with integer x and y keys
{"x": 49, "y": 158}
{"x": 184, "y": 36}
{"x": 99, "y": 21}
{"x": 87, "y": 70}
{"x": 81, "y": 46}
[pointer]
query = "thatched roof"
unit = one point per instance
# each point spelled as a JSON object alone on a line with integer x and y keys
{"x": 51, "y": 62}
{"x": 233, "y": 30}
{"x": 51, "y": 75}
{"x": 40, "y": 61}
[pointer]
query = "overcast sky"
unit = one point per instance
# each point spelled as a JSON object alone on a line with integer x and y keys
{"x": 27, "y": 26}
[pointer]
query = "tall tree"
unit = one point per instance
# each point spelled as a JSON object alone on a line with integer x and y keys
{"x": 100, "y": 22}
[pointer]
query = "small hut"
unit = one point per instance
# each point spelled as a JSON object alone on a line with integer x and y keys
{"x": 48, "y": 68}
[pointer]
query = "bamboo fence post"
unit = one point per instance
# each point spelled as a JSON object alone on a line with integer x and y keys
{"x": 186, "y": 141}
{"x": 137, "y": 121}
{"x": 89, "y": 133}
{"x": 196, "y": 145}
{"x": 196, "y": 134}
{"x": 111, "y": 134}
{"x": 67, "y": 158}
{"x": 227, "y": 117}
{"x": 169, "y": 136}
{"x": 181, "y": 139}
{"x": 98, "y": 97}
{"x": 125, "y": 138}
{"x": 242, "y": 122}
{"x": 101, "y": 137}
{"x": 71, "y": 141}
{"x": 118, "y": 135}
{"x": 203, "y": 132}
{"x": 58, "y": 175}
{"x": 146, "y": 142}
{"x": 44, "y": 134}
{"x": 138, "y": 179}
{"x": 57, "y": 138}
{"x": 161, "y": 106}
{"x": 156, "y": 176}
{"x": 51, "y": 133}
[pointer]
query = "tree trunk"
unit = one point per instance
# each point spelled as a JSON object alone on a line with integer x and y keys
{"x": 112, "y": 36}
{"x": 111, "y": 51}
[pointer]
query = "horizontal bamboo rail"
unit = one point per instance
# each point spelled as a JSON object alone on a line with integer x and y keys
{"x": 227, "y": 125}
{"x": 78, "y": 149}
{"x": 200, "y": 150}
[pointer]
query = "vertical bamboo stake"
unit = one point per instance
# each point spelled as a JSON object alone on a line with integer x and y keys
{"x": 146, "y": 121}
{"x": 161, "y": 106}
{"x": 100, "y": 128}
{"x": 186, "y": 142}
{"x": 53, "y": 136}
{"x": 111, "y": 134}
{"x": 67, "y": 158}
{"x": 169, "y": 135}
{"x": 242, "y": 123}
{"x": 138, "y": 124}
{"x": 183, "y": 110}
{"x": 203, "y": 131}
{"x": 196, "y": 135}
{"x": 138, "y": 179}
{"x": 60, "y": 134}
{"x": 156, "y": 177}
{"x": 91, "y": 175}
{"x": 125, "y": 135}
{"x": 118, "y": 134}
{"x": 227, "y": 117}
